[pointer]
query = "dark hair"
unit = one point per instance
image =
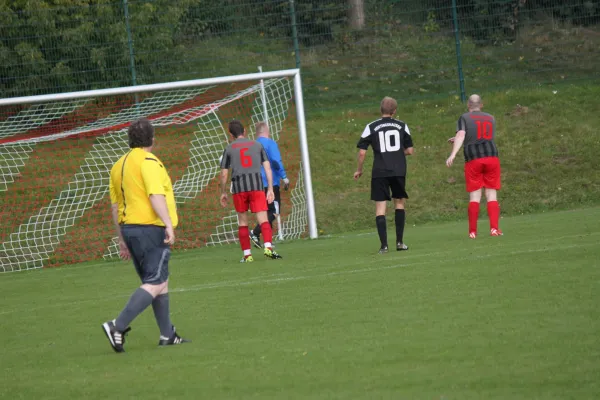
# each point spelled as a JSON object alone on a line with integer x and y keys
{"x": 236, "y": 128}
{"x": 141, "y": 133}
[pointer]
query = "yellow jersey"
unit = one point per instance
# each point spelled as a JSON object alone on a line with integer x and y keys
{"x": 136, "y": 176}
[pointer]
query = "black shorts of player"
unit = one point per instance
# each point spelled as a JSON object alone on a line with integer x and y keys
{"x": 149, "y": 252}
{"x": 275, "y": 206}
{"x": 380, "y": 188}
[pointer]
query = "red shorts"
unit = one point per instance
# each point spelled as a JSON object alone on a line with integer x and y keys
{"x": 482, "y": 172}
{"x": 255, "y": 200}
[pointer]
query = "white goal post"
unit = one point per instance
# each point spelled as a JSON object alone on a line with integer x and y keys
{"x": 56, "y": 151}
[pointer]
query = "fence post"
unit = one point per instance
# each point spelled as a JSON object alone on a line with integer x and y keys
{"x": 461, "y": 77}
{"x": 130, "y": 44}
{"x": 295, "y": 33}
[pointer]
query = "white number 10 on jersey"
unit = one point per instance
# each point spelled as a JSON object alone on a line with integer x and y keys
{"x": 385, "y": 140}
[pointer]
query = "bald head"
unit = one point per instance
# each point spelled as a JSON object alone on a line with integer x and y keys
{"x": 262, "y": 129}
{"x": 474, "y": 103}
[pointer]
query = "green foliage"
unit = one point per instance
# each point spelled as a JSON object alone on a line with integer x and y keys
{"x": 49, "y": 46}
{"x": 316, "y": 20}
{"x": 63, "y": 45}
{"x": 431, "y": 25}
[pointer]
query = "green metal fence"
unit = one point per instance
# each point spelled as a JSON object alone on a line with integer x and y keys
{"x": 351, "y": 51}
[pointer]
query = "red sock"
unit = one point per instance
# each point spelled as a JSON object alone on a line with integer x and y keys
{"x": 473, "y": 216}
{"x": 267, "y": 232}
{"x": 244, "y": 236}
{"x": 494, "y": 213}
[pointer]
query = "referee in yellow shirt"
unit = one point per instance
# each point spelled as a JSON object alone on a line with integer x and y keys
{"x": 145, "y": 216}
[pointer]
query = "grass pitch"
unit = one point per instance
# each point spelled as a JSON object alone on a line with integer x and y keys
{"x": 514, "y": 317}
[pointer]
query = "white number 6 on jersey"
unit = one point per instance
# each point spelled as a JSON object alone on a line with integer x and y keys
{"x": 385, "y": 140}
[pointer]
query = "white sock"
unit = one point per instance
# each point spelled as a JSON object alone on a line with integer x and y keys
{"x": 247, "y": 252}
{"x": 268, "y": 245}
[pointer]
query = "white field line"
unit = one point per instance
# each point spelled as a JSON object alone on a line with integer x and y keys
{"x": 357, "y": 271}
{"x": 38, "y": 274}
{"x": 276, "y": 278}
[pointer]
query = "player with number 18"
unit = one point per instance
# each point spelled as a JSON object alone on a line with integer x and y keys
{"x": 391, "y": 142}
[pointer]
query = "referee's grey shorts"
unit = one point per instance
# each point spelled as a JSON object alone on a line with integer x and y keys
{"x": 149, "y": 252}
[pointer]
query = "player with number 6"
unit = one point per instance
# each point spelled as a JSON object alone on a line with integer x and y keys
{"x": 391, "y": 142}
{"x": 245, "y": 157}
{"x": 477, "y": 131}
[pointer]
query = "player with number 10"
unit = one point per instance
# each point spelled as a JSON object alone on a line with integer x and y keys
{"x": 391, "y": 143}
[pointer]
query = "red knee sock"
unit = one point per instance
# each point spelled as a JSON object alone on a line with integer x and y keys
{"x": 473, "y": 216}
{"x": 244, "y": 236}
{"x": 494, "y": 213}
{"x": 267, "y": 233}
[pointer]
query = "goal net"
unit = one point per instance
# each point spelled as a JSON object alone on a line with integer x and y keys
{"x": 56, "y": 152}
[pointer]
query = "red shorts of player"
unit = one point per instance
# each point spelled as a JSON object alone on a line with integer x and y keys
{"x": 482, "y": 173}
{"x": 255, "y": 201}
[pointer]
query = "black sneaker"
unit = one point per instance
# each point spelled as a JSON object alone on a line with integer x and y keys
{"x": 115, "y": 338}
{"x": 174, "y": 339}
{"x": 255, "y": 240}
{"x": 383, "y": 250}
{"x": 401, "y": 246}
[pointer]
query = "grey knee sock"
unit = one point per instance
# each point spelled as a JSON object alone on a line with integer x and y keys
{"x": 139, "y": 300}
{"x": 160, "y": 305}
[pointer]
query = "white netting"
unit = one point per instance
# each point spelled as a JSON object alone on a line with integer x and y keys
{"x": 37, "y": 115}
{"x": 276, "y": 110}
{"x": 292, "y": 227}
{"x": 151, "y": 108}
{"x": 207, "y": 147}
{"x": 33, "y": 242}
{"x": 205, "y": 151}
{"x": 12, "y": 158}
{"x": 295, "y": 224}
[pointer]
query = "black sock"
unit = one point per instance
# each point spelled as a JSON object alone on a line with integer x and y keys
{"x": 272, "y": 218}
{"x": 256, "y": 231}
{"x": 400, "y": 220}
{"x": 381, "y": 230}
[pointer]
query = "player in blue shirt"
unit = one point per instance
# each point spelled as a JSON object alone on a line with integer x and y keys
{"x": 274, "y": 156}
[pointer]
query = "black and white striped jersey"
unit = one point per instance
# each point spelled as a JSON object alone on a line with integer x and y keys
{"x": 244, "y": 157}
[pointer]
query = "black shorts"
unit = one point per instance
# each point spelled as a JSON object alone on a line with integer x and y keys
{"x": 149, "y": 252}
{"x": 275, "y": 206}
{"x": 380, "y": 188}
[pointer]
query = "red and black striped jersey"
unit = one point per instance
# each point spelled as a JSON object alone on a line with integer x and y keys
{"x": 244, "y": 157}
{"x": 480, "y": 131}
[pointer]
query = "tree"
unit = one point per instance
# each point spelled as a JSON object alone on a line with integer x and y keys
{"x": 356, "y": 14}
{"x": 62, "y": 45}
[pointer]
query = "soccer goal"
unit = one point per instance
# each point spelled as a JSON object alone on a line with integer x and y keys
{"x": 56, "y": 152}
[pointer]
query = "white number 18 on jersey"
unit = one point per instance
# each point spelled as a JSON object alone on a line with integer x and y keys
{"x": 385, "y": 140}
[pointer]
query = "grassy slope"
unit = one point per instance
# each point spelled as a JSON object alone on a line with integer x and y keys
{"x": 513, "y": 317}
{"x": 548, "y": 143}
{"x": 548, "y": 153}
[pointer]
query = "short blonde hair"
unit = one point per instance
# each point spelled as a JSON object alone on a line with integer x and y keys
{"x": 388, "y": 105}
{"x": 261, "y": 127}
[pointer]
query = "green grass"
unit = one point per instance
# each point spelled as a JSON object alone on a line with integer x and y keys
{"x": 546, "y": 136}
{"x": 496, "y": 318}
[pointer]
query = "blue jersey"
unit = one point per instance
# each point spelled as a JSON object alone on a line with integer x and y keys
{"x": 274, "y": 157}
